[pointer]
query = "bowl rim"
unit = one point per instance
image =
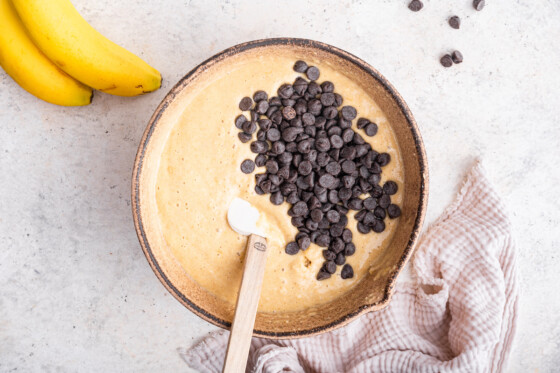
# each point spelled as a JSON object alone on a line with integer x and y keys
{"x": 169, "y": 97}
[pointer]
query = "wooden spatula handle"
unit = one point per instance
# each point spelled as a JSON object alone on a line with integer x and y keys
{"x": 247, "y": 303}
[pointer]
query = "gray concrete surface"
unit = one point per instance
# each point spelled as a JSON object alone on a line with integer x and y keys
{"x": 77, "y": 295}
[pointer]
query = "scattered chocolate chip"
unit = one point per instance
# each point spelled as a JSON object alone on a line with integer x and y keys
{"x": 479, "y": 4}
{"x": 457, "y": 57}
{"x": 323, "y": 240}
{"x": 446, "y": 60}
{"x": 455, "y": 22}
{"x": 312, "y": 73}
{"x": 259, "y": 147}
{"x": 247, "y": 166}
{"x": 347, "y": 272}
{"x": 415, "y": 5}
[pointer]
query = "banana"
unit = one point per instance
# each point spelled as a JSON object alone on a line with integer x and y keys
{"x": 72, "y": 44}
{"x": 31, "y": 69}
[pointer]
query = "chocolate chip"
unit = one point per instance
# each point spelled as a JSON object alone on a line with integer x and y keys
{"x": 371, "y": 129}
{"x": 336, "y": 230}
{"x": 347, "y": 235}
{"x": 240, "y": 120}
{"x": 379, "y": 213}
{"x": 384, "y": 201}
{"x": 393, "y": 211}
{"x": 305, "y": 167}
{"x": 348, "y": 181}
{"x": 304, "y": 146}
{"x": 271, "y": 166}
{"x": 336, "y": 141}
{"x": 350, "y": 249}
{"x": 376, "y": 192}
{"x": 446, "y": 61}
{"x": 340, "y": 259}
{"x": 312, "y": 73}
{"x": 292, "y": 198}
{"x": 323, "y": 240}
{"x": 333, "y": 216}
{"x": 360, "y": 215}
{"x": 455, "y": 22}
{"x": 259, "y": 147}
{"x": 369, "y": 218}
{"x": 322, "y": 144}
{"x": 247, "y": 166}
{"x": 390, "y": 188}
{"x": 378, "y": 226}
{"x": 259, "y": 96}
{"x": 327, "y": 99}
{"x": 327, "y": 181}
{"x": 479, "y": 4}
{"x": 415, "y": 5}
{"x": 362, "y": 122}
{"x": 383, "y": 159}
{"x": 348, "y": 167}
{"x": 355, "y": 204}
{"x": 262, "y": 107}
{"x": 244, "y": 137}
{"x": 304, "y": 243}
{"x": 323, "y": 275}
{"x": 330, "y": 266}
{"x": 290, "y": 133}
{"x": 370, "y": 203}
{"x": 348, "y": 112}
{"x": 316, "y": 215}
{"x": 337, "y": 99}
{"x": 249, "y": 127}
{"x": 260, "y": 160}
{"x": 300, "y": 66}
{"x": 347, "y": 272}
{"x": 292, "y": 248}
{"x": 245, "y": 104}
{"x": 457, "y": 57}
{"x": 298, "y": 221}
{"x": 363, "y": 228}
{"x": 276, "y": 198}
{"x": 337, "y": 245}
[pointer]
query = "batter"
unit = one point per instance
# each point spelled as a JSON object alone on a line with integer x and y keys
{"x": 199, "y": 176}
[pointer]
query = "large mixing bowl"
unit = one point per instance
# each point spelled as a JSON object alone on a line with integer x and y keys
{"x": 372, "y": 292}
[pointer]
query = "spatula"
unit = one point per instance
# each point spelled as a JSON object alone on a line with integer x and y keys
{"x": 242, "y": 217}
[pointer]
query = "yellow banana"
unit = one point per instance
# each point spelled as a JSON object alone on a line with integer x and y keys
{"x": 72, "y": 44}
{"x": 31, "y": 69}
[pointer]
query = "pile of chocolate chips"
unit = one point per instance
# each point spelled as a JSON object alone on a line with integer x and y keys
{"x": 315, "y": 161}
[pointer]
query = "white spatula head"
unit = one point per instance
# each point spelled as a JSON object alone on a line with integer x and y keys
{"x": 242, "y": 218}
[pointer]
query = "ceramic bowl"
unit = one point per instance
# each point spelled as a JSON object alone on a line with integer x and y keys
{"x": 374, "y": 291}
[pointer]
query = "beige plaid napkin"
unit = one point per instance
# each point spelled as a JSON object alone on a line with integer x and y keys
{"x": 459, "y": 317}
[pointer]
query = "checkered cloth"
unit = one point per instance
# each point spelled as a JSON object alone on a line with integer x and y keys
{"x": 460, "y": 316}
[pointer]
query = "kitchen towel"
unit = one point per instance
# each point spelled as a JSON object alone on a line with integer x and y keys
{"x": 459, "y": 316}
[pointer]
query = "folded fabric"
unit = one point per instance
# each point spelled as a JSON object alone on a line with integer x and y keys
{"x": 460, "y": 316}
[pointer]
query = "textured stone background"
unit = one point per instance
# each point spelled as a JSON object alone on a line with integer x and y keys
{"x": 77, "y": 295}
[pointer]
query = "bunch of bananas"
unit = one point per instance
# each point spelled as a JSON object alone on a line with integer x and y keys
{"x": 54, "y": 54}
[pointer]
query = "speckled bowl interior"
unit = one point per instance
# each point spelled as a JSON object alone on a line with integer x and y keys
{"x": 374, "y": 291}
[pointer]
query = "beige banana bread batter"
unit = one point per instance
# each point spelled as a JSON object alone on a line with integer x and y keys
{"x": 199, "y": 174}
